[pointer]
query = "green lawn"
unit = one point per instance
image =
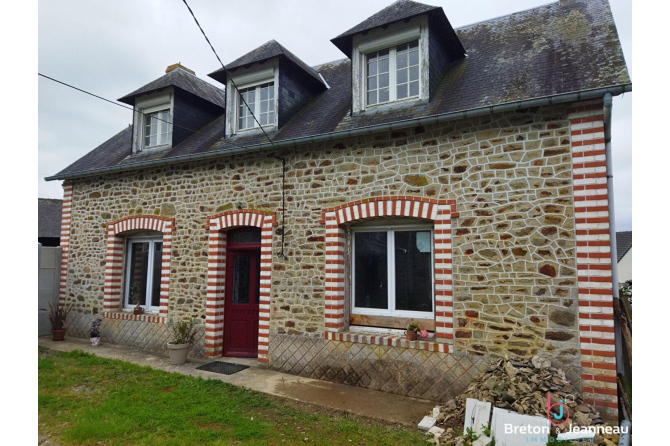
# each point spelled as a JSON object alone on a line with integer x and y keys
{"x": 87, "y": 400}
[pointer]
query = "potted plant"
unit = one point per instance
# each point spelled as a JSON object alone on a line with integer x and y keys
{"x": 412, "y": 328}
{"x": 95, "y": 331}
{"x": 135, "y": 298}
{"x": 182, "y": 336}
{"x": 57, "y": 316}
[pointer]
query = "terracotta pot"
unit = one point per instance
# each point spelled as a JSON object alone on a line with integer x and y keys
{"x": 411, "y": 335}
{"x": 58, "y": 335}
{"x": 178, "y": 353}
{"x": 138, "y": 310}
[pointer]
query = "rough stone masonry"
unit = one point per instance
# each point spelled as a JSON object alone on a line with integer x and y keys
{"x": 514, "y": 245}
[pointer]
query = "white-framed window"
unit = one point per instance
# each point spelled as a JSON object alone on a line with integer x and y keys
{"x": 392, "y": 271}
{"x": 157, "y": 128}
{"x": 392, "y": 74}
{"x": 143, "y": 272}
{"x": 260, "y": 99}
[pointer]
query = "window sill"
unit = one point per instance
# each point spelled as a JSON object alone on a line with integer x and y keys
{"x": 372, "y": 338}
{"x": 126, "y": 316}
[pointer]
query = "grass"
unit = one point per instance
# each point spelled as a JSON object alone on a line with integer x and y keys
{"x": 87, "y": 400}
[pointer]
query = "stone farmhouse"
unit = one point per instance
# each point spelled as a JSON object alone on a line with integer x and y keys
{"x": 305, "y": 215}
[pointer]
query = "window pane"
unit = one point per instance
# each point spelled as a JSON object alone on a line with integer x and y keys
{"x": 372, "y": 68}
{"x": 402, "y": 60}
{"x": 413, "y": 272}
{"x": 402, "y": 76}
{"x": 384, "y": 65}
{"x": 241, "y": 270}
{"x": 246, "y": 237}
{"x": 156, "y": 280}
{"x": 372, "y": 97}
{"x": 402, "y": 91}
{"x": 384, "y": 95}
{"x": 370, "y": 256}
{"x": 372, "y": 83}
{"x": 414, "y": 73}
{"x": 414, "y": 58}
{"x": 383, "y": 80}
{"x": 137, "y": 280}
{"x": 414, "y": 44}
{"x": 414, "y": 89}
{"x": 271, "y": 117}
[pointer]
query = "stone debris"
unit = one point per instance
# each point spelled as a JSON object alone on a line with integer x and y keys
{"x": 520, "y": 386}
{"x": 427, "y": 423}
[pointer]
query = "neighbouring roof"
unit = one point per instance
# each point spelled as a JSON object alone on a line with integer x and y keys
{"x": 401, "y": 10}
{"x": 49, "y": 212}
{"x": 624, "y": 242}
{"x": 543, "y": 52}
{"x": 269, "y": 50}
{"x": 183, "y": 80}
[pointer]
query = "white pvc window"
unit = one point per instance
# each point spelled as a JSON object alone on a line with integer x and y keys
{"x": 260, "y": 100}
{"x": 392, "y": 271}
{"x": 157, "y": 128}
{"x": 393, "y": 74}
{"x": 143, "y": 273}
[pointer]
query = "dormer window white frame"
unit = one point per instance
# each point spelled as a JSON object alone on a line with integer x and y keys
{"x": 150, "y": 129}
{"x": 259, "y": 87}
{"x": 382, "y": 72}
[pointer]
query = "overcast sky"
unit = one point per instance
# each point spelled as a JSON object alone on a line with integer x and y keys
{"x": 111, "y": 48}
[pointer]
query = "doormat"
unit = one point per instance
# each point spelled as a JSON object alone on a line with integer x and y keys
{"x": 226, "y": 368}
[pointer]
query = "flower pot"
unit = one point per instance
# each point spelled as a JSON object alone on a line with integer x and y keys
{"x": 411, "y": 335}
{"x": 58, "y": 335}
{"x": 95, "y": 341}
{"x": 138, "y": 310}
{"x": 178, "y": 352}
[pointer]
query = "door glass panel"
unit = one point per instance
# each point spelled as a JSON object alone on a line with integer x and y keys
{"x": 139, "y": 262}
{"x": 241, "y": 270}
{"x": 246, "y": 237}
{"x": 156, "y": 280}
{"x": 413, "y": 272}
{"x": 370, "y": 255}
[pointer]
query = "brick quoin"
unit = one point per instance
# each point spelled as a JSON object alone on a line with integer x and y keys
{"x": 216, "y": 277}
{"x": 116, "y": 233}
{"x": 439, "y": 211}
{"x": 592, "y": 221}
{"x": 68, "y": 188}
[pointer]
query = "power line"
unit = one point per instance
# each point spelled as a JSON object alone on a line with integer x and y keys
{"x": 114, "y": 102}
{"x": 229, "y": 77}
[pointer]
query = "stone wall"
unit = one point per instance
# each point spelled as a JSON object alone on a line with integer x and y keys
{"x": 514, "y": 271}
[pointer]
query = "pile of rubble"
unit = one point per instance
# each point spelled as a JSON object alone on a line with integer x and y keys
{"x": 519, "y": 386}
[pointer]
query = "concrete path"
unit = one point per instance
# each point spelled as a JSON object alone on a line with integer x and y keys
{"x": 356, "y": 400}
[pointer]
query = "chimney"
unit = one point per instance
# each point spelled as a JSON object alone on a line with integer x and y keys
{"x": 178, "y": 65}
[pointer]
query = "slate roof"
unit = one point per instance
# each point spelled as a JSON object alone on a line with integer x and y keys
{"x": 49, "y": 212}
{"x": 183, "y": 80}
{"x": 269, "y": 50}
{"x": 624, "y": 242}
{"x": 542, "y": 52}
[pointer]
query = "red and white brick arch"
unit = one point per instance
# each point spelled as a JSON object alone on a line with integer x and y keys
{"x": 592, "y": 226}
{"x": 216, "y": 277}
{"x": 116, "y": 238}
{"x": 439, "y": 211}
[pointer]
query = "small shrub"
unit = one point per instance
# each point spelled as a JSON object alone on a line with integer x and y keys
{"x": 95, "y": 328}
{"x": 182, "y": 332}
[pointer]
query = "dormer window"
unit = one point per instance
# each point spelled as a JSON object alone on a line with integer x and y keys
{"x": 157, "y": 128}
{"x": 260, "y": 100}
{"x": 393, "y": 73}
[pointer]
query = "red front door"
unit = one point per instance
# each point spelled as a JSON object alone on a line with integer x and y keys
{"x": 240, "y": 327}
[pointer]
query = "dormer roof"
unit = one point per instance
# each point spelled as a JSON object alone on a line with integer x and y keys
{"x": 398, "y": 11}
{"x": 269, "y": 50}
{"x": 184, "y": 80}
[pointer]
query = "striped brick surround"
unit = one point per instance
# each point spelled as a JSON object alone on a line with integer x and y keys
{"x": 65, "y": 239}
{"x": 592, "y": 225}
{"x": 439, "y": 211}
{"x": 216, "y": 278}
{"x": 116, "y": 237}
